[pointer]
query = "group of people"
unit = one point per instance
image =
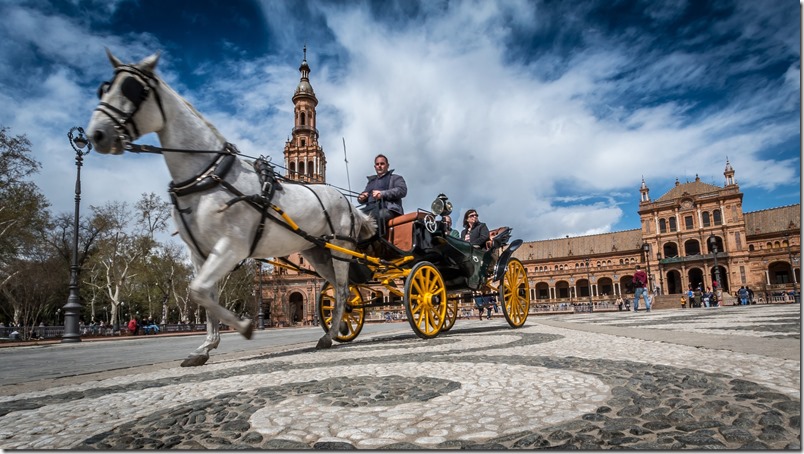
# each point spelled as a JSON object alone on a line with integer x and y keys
{"x": 144, "y": 326}
{"x": 383, "y": 198}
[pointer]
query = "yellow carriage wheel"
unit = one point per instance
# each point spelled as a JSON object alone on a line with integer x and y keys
{"x": 353, "y": 315}
{"x": 515, "y": 294}
{"x": 452, "y": 314}
{"x": 425, "y": 300}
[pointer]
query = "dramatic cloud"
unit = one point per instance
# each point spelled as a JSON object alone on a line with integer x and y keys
{"x": 542, "y": 116}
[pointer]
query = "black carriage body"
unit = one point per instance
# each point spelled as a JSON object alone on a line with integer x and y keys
{"x": 464, "y": 267}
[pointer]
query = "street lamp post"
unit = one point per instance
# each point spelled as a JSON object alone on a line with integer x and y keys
{"x": 792, "y": 268}
{"x": 589, "y": 284}
{"x": 572, "y": 287}
{"x": 646, "y": 248}
{"x": 661, "y": 273}
{"x": 260, "y": 312}
{"x": 716, "y": 285}
{"x": 72, "y": 310}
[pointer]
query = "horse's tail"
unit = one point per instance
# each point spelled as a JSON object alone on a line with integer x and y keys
{"x": 366, "y": 226}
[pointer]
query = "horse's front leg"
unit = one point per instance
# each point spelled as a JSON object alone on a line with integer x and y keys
{"x": 201, "y": 355}
{"x": 337, "y": 322}
{"x": 341, "y": 286}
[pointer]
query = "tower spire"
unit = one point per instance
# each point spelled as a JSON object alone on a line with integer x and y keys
{"x": 304, "y": 157}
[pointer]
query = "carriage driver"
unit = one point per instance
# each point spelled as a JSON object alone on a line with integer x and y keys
{"x": 387, "y": 187}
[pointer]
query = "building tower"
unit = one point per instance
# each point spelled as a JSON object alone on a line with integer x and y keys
{"x": 304, "y": 157}
{"x": 644, "y": 192}
{"x": 729, "y": 174}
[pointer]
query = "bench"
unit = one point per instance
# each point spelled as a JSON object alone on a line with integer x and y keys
{"x": 400, "y": 230}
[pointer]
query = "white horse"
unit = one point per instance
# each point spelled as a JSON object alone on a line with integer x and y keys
{"x": 137, "y": 102}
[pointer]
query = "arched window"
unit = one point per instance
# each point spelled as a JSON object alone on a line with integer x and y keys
{"x": 310, "y": 169}
{"x": 303, "y": 119}
{"x": 301, "y": 168}
{"x": 673, "y": 227}
{"x": 705, "y": 218}
{"x": 292, "y": 169}
{"x": 750, "y": 248}
{"x": 662, "y": 226}
{"x": 717, "y": 218}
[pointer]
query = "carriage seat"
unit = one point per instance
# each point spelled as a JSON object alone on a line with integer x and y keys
{"x": 498, "y": 237}
{"x": 400, "y": 229}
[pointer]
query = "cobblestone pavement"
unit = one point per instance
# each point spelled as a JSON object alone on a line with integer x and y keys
{"x": 590, "y": 381}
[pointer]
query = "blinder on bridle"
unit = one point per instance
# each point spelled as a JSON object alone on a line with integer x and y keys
{"x": 136, "y": 92}
{"x": 131, "y": 88}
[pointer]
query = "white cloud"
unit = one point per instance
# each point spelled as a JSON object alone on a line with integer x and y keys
{"x": 442, "y": 97}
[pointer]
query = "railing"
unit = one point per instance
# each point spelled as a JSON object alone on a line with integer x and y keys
{"x": 693, "y": 258}
{"x": 53, "y": 332}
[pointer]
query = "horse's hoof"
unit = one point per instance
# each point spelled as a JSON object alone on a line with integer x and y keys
{"x": 247, "y": 329}
{"x": 343, "y": 328}
{"x": 196, "y": 360}
{"x": 324, "y": 342}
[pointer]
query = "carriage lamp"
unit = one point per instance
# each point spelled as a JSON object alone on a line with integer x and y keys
{"x": 441, "y": 206}
{"x": 72, "y": 310}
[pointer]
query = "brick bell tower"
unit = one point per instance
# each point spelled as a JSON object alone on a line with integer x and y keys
{"x": 304, "y": 157}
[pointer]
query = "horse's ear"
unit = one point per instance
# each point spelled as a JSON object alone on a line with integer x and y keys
{"x": 115, "y": 62}
{"x": 149, "y": 63}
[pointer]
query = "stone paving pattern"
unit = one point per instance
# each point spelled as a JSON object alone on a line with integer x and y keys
{"x": 480, "y": 386}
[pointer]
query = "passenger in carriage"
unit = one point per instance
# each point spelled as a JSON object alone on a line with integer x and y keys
{"x": 384, "y": 187}
{"x": 446, "y": 222}
{"x": 474, "y": 231}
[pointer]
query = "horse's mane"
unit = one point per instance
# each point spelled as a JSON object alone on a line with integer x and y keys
{"x": 192, "y": 109}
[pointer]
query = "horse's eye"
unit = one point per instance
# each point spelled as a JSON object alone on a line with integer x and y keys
{"x": 103, "y": 88}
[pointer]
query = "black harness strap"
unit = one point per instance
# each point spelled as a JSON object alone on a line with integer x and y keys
{"x": 211, "y": 177}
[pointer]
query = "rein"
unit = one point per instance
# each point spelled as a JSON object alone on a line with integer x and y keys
{"x": 215, "y": 175}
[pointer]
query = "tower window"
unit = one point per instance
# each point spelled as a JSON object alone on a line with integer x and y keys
{"x": 302, "y": 142}
{"x": 303, "y": 119}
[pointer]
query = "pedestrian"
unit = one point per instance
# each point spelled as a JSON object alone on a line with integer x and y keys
{"x": 683, "y": 301}
{"x": 742, "y": 294}
{"x": 640, "y": 279}
{"x": 132, "y": 326}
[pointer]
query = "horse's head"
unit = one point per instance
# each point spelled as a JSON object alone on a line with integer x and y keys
{"x": 129, "y": 106}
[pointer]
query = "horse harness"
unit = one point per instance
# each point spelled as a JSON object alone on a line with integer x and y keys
{"x": 136, "y": 88}
{"x": 215, "y": 174}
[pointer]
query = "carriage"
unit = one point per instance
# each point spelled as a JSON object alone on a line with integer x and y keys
{"x": 430, "y": 272}
{"x": 228, "y": 209}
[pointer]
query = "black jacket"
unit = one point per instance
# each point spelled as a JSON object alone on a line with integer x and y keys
{"x": 478, "y": 235}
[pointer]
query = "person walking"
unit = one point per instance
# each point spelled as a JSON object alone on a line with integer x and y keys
{"x": 742, "y": 294}
{"x": 640, "y": 280}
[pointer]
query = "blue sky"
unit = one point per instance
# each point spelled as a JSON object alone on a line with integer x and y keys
{"x": 542, "y": 115}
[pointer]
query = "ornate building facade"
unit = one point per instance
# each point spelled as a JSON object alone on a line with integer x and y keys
{"x": 692, "y": 236}
{"x": 695, "y": 234}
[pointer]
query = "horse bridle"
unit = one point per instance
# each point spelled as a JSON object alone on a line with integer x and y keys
{"x": 135, "y": 88}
